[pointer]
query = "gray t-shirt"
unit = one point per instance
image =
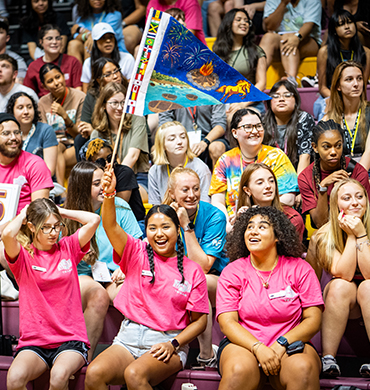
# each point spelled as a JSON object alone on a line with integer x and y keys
{"x": 22, "y": 66}
{"x": 16, "y": 88}
{"x": 158, "y": 178}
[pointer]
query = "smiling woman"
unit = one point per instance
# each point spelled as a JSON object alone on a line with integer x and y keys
{"x": 266, "y": 279}
{"x": 342, "y": 249}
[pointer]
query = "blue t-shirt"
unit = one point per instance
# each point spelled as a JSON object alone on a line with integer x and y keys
{"x": 210, "y": 230}
{"x": 41, "y": 136}
{"x": 112, "y": 18}
{"x": 126, "y": 219}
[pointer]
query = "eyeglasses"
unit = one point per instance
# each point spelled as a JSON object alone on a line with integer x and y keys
{"x": 248, "y": 22}
{"x": 49, "y": 39}
{"x": 115, "y": 105}
{"x": 8, "y": 134}
{"x": 249, "y": 128}
{"x": 110, "y": 74}
{"x": 48, "y": 229}
{"x": 285, "y": 95}
{"x": 103, "y": 161}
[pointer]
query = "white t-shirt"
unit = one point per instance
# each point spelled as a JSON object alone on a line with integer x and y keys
{"x": 126, "y": 63}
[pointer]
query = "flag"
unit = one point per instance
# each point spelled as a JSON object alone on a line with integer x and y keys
{"x": 173, "y": 69}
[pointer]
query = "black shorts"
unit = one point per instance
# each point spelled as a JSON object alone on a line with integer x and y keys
{"x": 49, "y": 355}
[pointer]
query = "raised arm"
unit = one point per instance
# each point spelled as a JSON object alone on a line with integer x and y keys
{"x": 9, "y": 234}
{"x": 116, "y": 235}
{"x": 89, "y": 222}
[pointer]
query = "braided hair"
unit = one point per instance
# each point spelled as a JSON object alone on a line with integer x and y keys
{"x": 171, "y": 213}
{"x": 317, "y": 132}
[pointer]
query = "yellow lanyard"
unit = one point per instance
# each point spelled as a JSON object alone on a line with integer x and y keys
{"x": 168, "y": 166}
{"x": 341, "y": 56}
{"x": 353, "y": 136}
{"x": 182, "y": 238}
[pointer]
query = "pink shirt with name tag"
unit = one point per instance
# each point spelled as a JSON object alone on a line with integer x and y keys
{"x": 50, "y": 308}
{"x": 164, "y": 305}
{"x": 268, "y": 313}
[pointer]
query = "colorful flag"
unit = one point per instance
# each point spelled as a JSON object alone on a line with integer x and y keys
{"x": 174, "y": 69}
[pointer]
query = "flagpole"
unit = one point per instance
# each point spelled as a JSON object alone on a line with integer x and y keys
{"x": 117, "y": 139}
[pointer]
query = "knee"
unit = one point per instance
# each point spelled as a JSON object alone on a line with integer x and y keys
{"x": 15, "y": 380}
{"x": 59, "y": 378}
{"x": 268, "y": 39}
{"x": 98, "y": 300}
{"x": 302, "y": 367}
{"x": 363, "y": 292}
{"x": 134, "y": 377}
{"x": 74, "y": 44}
{"x": 215, "y": 8}
{"x": 94, "y": 376}
{"x": 238, "y": 373}
{"x": 341, "y": 291}
{"x": 216, "y": 149}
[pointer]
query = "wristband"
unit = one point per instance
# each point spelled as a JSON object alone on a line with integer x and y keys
{"x": 207, "y": 141}
{"x": 298, "y": 35}
{"x": 365, "y": 235}
{"x": 256, "y": 344}
{"x": 124, "y": 24}
{"x": 78, "y": 29}
{"x": 109, "y": 196}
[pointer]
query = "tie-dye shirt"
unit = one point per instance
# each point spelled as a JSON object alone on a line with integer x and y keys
{"x": 227, "y": 173}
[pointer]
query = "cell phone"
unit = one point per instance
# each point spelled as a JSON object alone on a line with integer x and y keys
{"x": 296, "y": 347}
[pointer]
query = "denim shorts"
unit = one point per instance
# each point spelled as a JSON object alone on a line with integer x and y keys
{"x": 49, "y": 355}
{"x": 138, "y": 339}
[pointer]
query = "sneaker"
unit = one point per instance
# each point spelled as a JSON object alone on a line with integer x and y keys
{"x": 293, "y": 81}
{"x": 365, "y": 371}
{"x": 308, "y": 81}
{"x": 212, "y": 362}
{"x": 330, "y": 366}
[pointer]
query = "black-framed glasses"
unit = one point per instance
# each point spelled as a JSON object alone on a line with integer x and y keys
{"x": 110, "y": 74}
{"x": 249, "y": 128}
{"x": 115, "y": 105}
{"x": 48, "y": 229}
{"x": 285, "y": 95}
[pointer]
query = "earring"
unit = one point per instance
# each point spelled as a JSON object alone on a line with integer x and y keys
{"x": 235, "y": 135}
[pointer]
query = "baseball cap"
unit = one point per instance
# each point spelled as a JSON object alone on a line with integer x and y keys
{"x": 100, "y": 29}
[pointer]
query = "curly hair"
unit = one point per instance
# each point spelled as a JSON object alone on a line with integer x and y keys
{"x": 13, "y": 100}
{"x": 288, "y": 242}
{"x": 85, "y": 11}
{"x": 30, "y": 20}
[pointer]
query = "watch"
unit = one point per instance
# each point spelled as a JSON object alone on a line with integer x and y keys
{"x": 322, "y": 189}
{"x": 175, "y": 344}
{"x": 190, "y": 227}
{"x": 298, "y": 35}
{"x": 283, "y": 341}
{"x": 207, "y": 141}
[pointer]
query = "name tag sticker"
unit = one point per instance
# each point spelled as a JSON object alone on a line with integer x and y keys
{"x": 36, "y": 268}
{"x": 146, "y": 273}
{"x": 279, "y": 294}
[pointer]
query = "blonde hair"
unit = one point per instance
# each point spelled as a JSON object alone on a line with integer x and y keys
{"x": 100, "y": 119}
{"x": 172, "y": 182}
{"x": 159, "y": 152}
{"x": 336, "y": 106}
{"x": 38, "y": 211}
{"x": 331, "y": 237}
{"x": 243, "y": 198}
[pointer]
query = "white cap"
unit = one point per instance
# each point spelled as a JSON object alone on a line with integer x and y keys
{"x": 100, "y": 29}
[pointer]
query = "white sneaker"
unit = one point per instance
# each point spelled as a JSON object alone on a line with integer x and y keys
{"x": 212, "y": 362}
{"x": 330, "y": 366}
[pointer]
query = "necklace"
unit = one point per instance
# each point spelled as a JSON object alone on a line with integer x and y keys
{"x": 265, "y": 283}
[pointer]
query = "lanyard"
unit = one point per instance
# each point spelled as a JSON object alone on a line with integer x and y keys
{"x": 168, "y": 166}
{"x": 29, "y": 135}
{"x": 236, "y": 57}
{"x": 355, "y": 129}
{"x": 99, "y": 21}
{"x": 341, "y": 56}
{"x": 193, "y": 116}
{"x": 182, "y": 238}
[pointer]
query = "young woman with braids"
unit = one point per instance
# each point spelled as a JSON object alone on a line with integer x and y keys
{"x": 342, "y": 249}
{"x": 267, "y": 299}
{"x": 330, "y": 165}
{"x": 164, "y": 301}
{"x": 54, "y": 337}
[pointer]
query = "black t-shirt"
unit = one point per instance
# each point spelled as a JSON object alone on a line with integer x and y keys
{"x": 126, "y": 181}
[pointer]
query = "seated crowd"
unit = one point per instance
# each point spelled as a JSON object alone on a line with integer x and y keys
{"x": 169, "y": 233}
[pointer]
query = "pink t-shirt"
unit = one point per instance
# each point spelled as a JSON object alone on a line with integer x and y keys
{"x": 31, "y": 172}
{"x": 50, "y": 308}
{"x": 164, "y": 305}
{"x": 240, "y": 289}
{"x": 192, "y": 10}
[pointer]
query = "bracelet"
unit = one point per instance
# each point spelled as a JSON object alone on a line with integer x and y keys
{"x": 109, "y": 196}
{"x": 365, "y": 235}
{"x": 207, "y": 141}
{"x": 360, "y": 245}
{"x": 256, "y": 344}
{"x": 83, "y": 37}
